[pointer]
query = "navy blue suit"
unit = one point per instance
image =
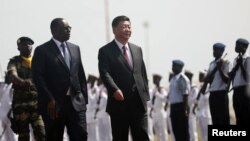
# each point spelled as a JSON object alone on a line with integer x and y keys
{"x": 53, "y": 79}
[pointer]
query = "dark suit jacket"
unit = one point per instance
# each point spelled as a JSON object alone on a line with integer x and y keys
{"x": 116, "y": 74}
{"x": 52, "y": 77}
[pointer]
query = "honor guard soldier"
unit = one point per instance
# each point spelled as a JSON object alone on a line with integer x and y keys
{"x": 178, "y": 98}
{"x": 24, "y": 104}
{"x": 191, "y": 102}
{"x": 240, "y": 81}
{"x": 217, "y": 77}
{"x": 158, "y": 112}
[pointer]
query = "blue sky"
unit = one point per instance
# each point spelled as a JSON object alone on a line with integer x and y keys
{"x": 178, "y": 29}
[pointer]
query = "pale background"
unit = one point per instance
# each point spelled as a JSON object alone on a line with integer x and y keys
{"x": 178, "y": 29}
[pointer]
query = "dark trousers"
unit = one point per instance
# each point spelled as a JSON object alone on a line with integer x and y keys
{"x": 219, "y": 108}
{"x": 241, "y": 104}
{"x": 134, "y": 118}
{"x": 69, "y": 117}
{"x": 179, "y": 122}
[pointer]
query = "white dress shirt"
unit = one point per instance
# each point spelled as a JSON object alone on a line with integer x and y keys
{"x": 120, "y": 45}
{"x": 58, "y": 44}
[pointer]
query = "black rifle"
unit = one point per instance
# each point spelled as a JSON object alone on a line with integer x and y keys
{"x": 208, "y": 79}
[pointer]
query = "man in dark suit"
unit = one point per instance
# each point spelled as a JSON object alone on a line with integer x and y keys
{"x": 123, "y": 72}
{"x": 62, "y": 89}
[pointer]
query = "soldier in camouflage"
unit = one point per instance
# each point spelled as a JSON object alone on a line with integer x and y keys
{"x": 24, "y": 102}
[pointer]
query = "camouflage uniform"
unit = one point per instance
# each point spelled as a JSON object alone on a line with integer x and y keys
{"x": 24, "y": 103}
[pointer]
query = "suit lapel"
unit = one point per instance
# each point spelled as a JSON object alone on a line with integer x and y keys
{"x": 71, "y": 52}
{"x": 58, "y": 54}
{"x": 120, "y": 55}
{"x": 133, "y": 52}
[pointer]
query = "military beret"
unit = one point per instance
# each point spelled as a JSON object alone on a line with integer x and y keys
{"x": 242, "y": 41}
{"x": 91, "y": 76}
{"x": 157, "y": 76}
{"x": 178, "y": 62}
{"x": 219, "y": 45}
{"x": 24, "y": 39}
{"x": 203, "y": 72}
{"x": 188, "y": 72}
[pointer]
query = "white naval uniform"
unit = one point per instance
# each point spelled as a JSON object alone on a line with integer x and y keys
{"x": 5, "y": 106}
{"x": 103, "y": 118}
{"x": 159, "y": 114}
{"x": 203, "y": 115}
{"x": 150, "y": 120}
{"x": 192, "y": 124}
{"x": 91, "y": 109}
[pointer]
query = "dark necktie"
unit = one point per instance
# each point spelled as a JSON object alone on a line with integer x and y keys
{"x": 125, "y": 54}
{"x": 66, "y": 55}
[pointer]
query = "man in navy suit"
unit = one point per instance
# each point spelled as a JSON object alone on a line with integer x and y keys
{"x": 62, "y": 89}
{"x": 123, "y": 72}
